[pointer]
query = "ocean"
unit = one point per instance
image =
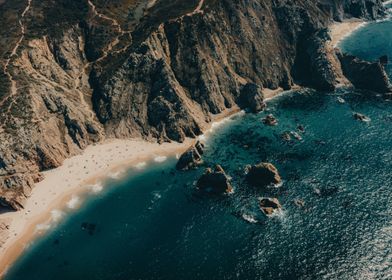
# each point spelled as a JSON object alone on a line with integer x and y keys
{"x": 153, "y": 224}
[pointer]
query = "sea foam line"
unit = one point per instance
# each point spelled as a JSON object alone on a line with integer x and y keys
{"x": 73, "y": 202}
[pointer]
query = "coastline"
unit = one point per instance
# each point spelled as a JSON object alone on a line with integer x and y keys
{"x": 341, "y": 30}
{"x": 85, "y": 173}
{"x": 60, "y": 192}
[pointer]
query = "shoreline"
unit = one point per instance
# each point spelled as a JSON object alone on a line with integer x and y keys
{"x": 59, "y": 193}
{"x": 341, "y": 30}
{"x": 63, "y": 189}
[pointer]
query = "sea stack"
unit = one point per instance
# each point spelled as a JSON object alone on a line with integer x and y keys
{"x": 263, "y": 175}
{"x": 214, "y": 181}
{"x": 191, "y": 158}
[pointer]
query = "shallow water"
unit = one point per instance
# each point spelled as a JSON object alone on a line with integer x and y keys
{"x": 153, "y": 225}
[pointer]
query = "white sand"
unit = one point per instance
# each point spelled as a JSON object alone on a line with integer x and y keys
{"x": 340, "y": 30}
{"x": 60, "y": 189}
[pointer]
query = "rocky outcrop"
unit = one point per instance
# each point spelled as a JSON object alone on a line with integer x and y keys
{"x": 270, "y": 120}
{"x": 191, "y": 158}
{"x": 251, "y": 97}
{"x": 214, "y": 181}
{"x": 366, "y": 75}
{"x": 99, "y": 69}
{"x": 269, "y": 205}
{"x": 263, "y": 175}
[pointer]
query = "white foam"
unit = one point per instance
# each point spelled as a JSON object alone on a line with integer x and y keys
{"x": 115, "y": 175}
{"x": 141, "y": 165}
{"x": 97, "y": 188}
{"x": 42, "y": 227}
{"x": 202, "y": 137}
{"x": 249, "y": 218}
{"x": 73, "y": 202}
{"x": 56, "y": 215}
{"x": 160, "y": 158}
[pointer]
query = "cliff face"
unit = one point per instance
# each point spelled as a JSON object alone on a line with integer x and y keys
{"x": 76, "y": 72}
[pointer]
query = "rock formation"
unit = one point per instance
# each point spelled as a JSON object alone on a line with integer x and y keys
{"x": 263, "y": 175}
{"x": 76, "y": 72}
{"x": 214, "y": 181}
{"x": 251, "y": 97}
{"x": 191, "y": 158}
{"x": 269, "y": 205}
{"x": 366, "y": 75}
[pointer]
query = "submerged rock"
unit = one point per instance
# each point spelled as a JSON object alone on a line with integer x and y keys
{"x": 269, "y": 205}
{"x": 251, "y": 97}
{"x": 191, "y": 158}
{"x": 263, "y": 175}
{"x": 270, "y": 120}
{"x": 361, "y": 117}
{"x": 286, "y": 136}
{"x": 384, "y": 60}
{"x": 299, "y": 202}
{"x": 214, "y": 181}
{"x": 301, "y": 128}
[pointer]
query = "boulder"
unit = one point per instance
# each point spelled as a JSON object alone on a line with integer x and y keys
{"x": 365, "y": 75}
{"x": 361, "y": 117}
{"x": 263, "y": 175}
{"x": 270, "y": 120}
{"x": 214, "y": 181}
{"x": 191, "y": 158}
{"x": 251, "y": 97}
{"x": 384, "y": 60}
{"x": 269, "y": 205}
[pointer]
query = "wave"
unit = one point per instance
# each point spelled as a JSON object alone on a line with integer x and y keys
{"x": 160, "y": 158}
{"x": 56, "y": 215}
{"x": 141, "y": 165}
{"x": 73, "y": 202}
{"x": 97, "y": 188}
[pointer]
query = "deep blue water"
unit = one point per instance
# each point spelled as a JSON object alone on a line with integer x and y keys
{"x": 153, "y": 225}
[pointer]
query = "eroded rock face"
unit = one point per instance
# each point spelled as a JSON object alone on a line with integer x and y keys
{"x": 366, "y": 75}
{"x": 263, "y": 175}
{"x": 214, "y": 181}
{"x": 192, "y": 157}
{"x": 251, "y": 97}
{"x": 87, "y": 74}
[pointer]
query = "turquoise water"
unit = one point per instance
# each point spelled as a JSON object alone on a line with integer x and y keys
{"x": 153, "y": 225}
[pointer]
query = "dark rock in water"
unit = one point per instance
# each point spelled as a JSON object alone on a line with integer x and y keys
{"x": 269, "y": 205}
{"x": 328, "y": 191}
{"x": 270, "y": 120}
{"x": 191, "y": 158}
{"x": 384, "y": 59}
{"x": 301, "y": 128}
{"x": 361, "y": 117}
{"x": 364, "y": 74}
{"x": 263, "y": 175}
{"x": 286, "y": 136}
{"x": 252, "y": 97}
{"x": 89, "y": 227}
{"x": 214, "y": 181}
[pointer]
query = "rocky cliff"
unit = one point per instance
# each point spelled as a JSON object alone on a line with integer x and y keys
{"x": 75, "y": 72}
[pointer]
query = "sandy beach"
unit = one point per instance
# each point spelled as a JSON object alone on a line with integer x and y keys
{"x": 60, "y": 192}
{"x": 340, "y": 30}
{"x": 63, "y": 188}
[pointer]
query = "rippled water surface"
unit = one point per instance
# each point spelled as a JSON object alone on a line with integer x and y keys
{"x": 152, "y": 224}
